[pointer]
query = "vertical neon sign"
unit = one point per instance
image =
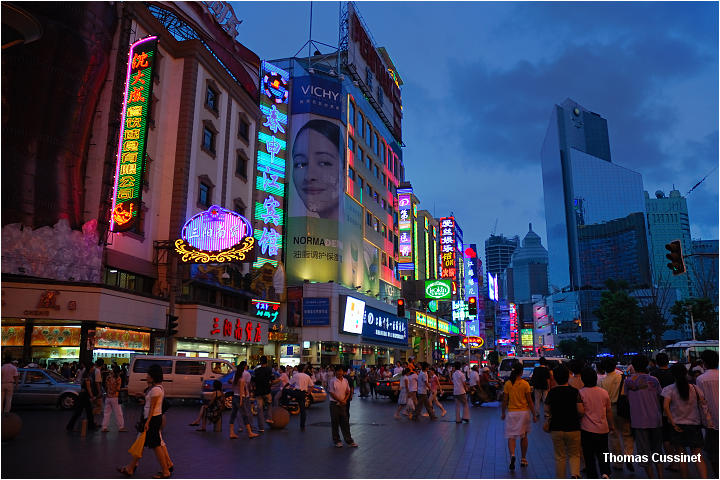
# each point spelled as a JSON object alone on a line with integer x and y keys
{"x": 270, "y": 180}
{"x": 447, "y": 248}
{"x": 130, "y": 163}
{"x": 405, "y": 227}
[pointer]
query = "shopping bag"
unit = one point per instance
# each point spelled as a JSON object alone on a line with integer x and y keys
{"x": 136, "y": 449}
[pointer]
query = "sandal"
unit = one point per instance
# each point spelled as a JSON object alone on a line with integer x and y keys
{"x": 161, "y": 475}
{"x": 523, "y": 462}
{"x": 125, "y": 471}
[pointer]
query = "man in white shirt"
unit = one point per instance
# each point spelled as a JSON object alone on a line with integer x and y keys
{"x": 9, "y": 375}
{"x": 422, "y": 393}
{"x": 459, "y": 392}
{"x": 398, "y": 369}
{"x": 708, "y": 385}
{"x": 339, "y": 391}
{"x": 300, "y": 384}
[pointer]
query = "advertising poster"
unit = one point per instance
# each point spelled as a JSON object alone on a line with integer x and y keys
{"x": 384, "y": 327}
{"x": 352, "y": 265}
{"x": 317, "y": 166}
{"x": 316, "y": 311}
{"x": 294, "y": 306}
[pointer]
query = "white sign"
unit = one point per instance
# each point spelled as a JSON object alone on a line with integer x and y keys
{"x": 354, "y": 313}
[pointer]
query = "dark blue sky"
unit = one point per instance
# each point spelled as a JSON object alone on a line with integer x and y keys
{"x": 481, "y": 79}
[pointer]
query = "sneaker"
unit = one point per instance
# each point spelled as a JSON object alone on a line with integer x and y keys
{"x": 353, "y": 444}
{"x": 338, "y": 444}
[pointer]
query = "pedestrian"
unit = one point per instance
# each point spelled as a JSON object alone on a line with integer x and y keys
{"x": 686, "y": 409}
{"x": 422, "y": 393}
{"x": 665, "y": 377}
{"x": 300, "y": 389}
{"x": 10, "y": 377}
{"x": 460, "y": 394}
{"x": 398, "y": 369}
{"x": 595, "y": 425}
{"x": 278, "y": 385}
{"x": 474, "y": 385}
{"x": 152, "y": 423}
{"x": 707, "y": 383}
{"x": 241, "y": 400}
{"x": 412, "y": 393}
{"x": 350, "y": 377}
{"x": 112, "y": 405}
{"x": 65, "y": 370}
{"x": 518, "y": 403}
{"x": 576, "y": 367}
{"x": 84, "y": 402}
{"x": 643, "y": 393}
{"x": 213, "y": 410}
{"x": 263, "y": 377}
{"x": 540, "y": 381}
{"x": 434, "y": 386}
{"x": 79, "y": 373}
{"x": 372, "y": 381}
{"x": 563, "y": 409}
{"x": 339, "y": 391}
{"x": 621, "y": 440}
{"x": 364, "y": 387}
{"x": 402, "y": 396}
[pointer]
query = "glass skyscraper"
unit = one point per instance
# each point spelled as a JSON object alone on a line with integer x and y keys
{"x": 594, "y": 212}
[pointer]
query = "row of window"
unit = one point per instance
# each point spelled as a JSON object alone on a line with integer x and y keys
{"x": 205, "y": 196}
{"x": 373, "y": 194}
{"x": 362, "y": 129}
{"x": 212, "y": 103}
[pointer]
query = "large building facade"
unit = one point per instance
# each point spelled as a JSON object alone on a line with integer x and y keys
{"x": 594, "y": 211}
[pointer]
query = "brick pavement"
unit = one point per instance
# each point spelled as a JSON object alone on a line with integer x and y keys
{"x": 389, "y": 448}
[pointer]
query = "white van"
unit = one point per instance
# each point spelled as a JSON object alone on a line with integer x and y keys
{"x": 529, "y": 364}
{"x": 183, "y": 377}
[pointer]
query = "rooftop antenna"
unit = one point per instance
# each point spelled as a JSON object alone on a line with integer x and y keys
{"x": 494, "y": 228}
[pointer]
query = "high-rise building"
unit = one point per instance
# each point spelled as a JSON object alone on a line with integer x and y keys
{"x": 667, "y": 220}
{"x": 527, "y": 271}
{"x": 498, "y": 253}
{"x": 589, "y": 205}
{"x": 705, "y": 268}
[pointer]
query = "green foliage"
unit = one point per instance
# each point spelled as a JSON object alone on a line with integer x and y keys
{"x": 620, "y": 320}
{"x": 656, "y": 324}
{"x": 578, "y": 348}
{"x": 704, "y": 313}
{"x": 493, "y": 358}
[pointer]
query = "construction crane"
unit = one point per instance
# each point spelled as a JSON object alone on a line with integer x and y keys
{"x": 494, "y": 228}
{"x": 701, "y": 181}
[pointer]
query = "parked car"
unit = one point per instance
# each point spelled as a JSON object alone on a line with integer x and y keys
{"x": 38, "y": 386}
{"x": 183, "y": 377}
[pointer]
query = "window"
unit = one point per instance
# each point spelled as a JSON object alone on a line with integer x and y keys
{"x": 244, "y": 129}
{"x": 369, "y": 132}
{"x": 142, "y": 365}
{"x": 384, "y": 181}
{"x": 377, "y": 172}
{"x": 241, "y": 165}
{"x": 208, "y": 142}
{"x": 211, "y": 99}
{"x": 362, "y": 127}
{"x": 375, "y": 197}
{"x": 369, "y": 190}
{"x": 370, "y": 137}
{"x": 382, "y": 203}
{"x": 369, "y": 78}
{"x": 221, "y": 368}
{"x": 368, "y": 219}
{"x": 384, "y": 259}
{"x": 376, "y": 224}
{"x": 36, "y": 377}
{"x": 384, "y": 230}
{"x": 361, "y": 182}
{"x": 351, "y": 173}
{"x": 369, "y": 162}
{"x": 190, "y": 367}
{"x": 380, "y": 98}
{"x": 351, "y": 145}
{"x": 204, "y": 193}
{"x": 239, "y": 206}
{"x": 377, "y": 145}
{"x": 352, "y": 114}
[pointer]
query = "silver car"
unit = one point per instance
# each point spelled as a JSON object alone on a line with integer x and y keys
{"x": 41, "y": 387}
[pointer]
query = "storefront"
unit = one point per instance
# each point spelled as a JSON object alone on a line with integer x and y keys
{"x": 210, "y": 332}
{"x": 45, "y": 323}
{"x": 430, "y": 338}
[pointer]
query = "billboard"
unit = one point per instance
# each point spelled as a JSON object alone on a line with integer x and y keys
{"x": 513, "y": 314}
{"x": 317, "y": 94}
{"x": 473, "y": 265}
{"x": 526, "y": 337}
{"x": 438, "y": 289}
{"x": 130, "y": 162}
{"x": 353, "y": 315}
{"x": 492, "y": 287}
{"x": 384, "y": 327}
{"x": 216, "y": 235}
{"x": 405, "y": 229}
{"x": 448, "y": 267}
{"x": 316, "y": 311}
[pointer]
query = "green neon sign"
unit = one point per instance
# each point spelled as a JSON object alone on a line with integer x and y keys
{"x": 438, "y": 289}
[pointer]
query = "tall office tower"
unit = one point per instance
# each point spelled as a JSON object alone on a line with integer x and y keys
{"x": 705, "y": 268}
{"x": 589, "y": 205}
{"x": 667, "y": 220}
{"x": 527, "y": 272}
{"x": 498, "y": 252}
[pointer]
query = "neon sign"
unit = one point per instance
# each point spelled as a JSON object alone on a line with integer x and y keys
{"x": 405, "y": 229}
{"x": 513, "y": 324}
{"x": 239, "y": 331}
{"x": 130, "y": 163}
{"x": 438, "y": 289}
{"x": 526, "y": 337}
{"x": 270, "y": 176}
{"x": 216, "y": 235}
{"x": 448, "y": 268}
{"x": 471, "y": 269}
{"x": 266, "y": 309}
{"x": 474, "y": 342}
{"x": 492, "y": 287}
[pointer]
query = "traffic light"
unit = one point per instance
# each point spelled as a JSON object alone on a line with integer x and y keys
{"x": 172, "y": 325}
{"x": 676, "y": 265}
{"x": 472, "y": 306}
{"x": 401, "y": 307}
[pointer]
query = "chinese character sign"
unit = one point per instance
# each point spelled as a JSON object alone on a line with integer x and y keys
{"x": 405, "y": 238}
{"x": 130, "y": 162}
{"x": 270, "y": 178}
{"x": 216, "y": 235}
{"x": 513, "y": 324}
{"x": 266, "y": 309}
{"x": 448, "y": 267}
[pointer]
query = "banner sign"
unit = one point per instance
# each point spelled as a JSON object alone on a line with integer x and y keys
{"x": 316, "y": 94}
{"x": 384, "y": 327}
{"x": 316, "y": 312}
{"x": 130, "y": 162}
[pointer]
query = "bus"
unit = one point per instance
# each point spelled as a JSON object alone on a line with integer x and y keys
{"x": 688, "y": 351}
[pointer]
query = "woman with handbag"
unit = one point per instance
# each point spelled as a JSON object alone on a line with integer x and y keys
{"x": 151, "y": 423}
{"x": 563, "y": 409}
{"x": 685, "y": 408}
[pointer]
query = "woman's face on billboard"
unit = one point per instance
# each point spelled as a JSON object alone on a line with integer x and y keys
{"x": 316, "y": 172}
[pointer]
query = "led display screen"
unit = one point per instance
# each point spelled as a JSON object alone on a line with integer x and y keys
{"x": 354, "y": 313}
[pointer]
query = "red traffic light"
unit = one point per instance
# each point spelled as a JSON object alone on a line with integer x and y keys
{"x": 472, "y": 300}
{"x": 401, "y": 302}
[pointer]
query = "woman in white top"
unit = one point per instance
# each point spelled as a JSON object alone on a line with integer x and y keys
{"x": 241, "y": 397}
{"x": 402, "y": 398}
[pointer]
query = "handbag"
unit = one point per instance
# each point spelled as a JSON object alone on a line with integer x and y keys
{"x": 140, "y": 424}
{"x": 136, "y": 449}
{"x": 623, "y": 404}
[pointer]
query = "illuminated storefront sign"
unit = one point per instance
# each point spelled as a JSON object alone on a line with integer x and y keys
{"x": 492, "y": 287}
{"x": 216, "y": 235}
{"x": 472, "y": 280}
{"x": 13, "y": 336}
{"x": 405, "y": 229}
{"x": 239, "y": 330}
{"x": 474, "y": 342}
{"x": 384, "y": 327}
{"x": 526, "y": 337}
{"x": 448, "y": 267}
{"x": 460, "y": 310}
{"x": 513, "y": 324}
{"x": 130, "y": 162}
{"x": 438, "y": 289}
{"x": 425, "y": 320}
{"x": 266, "y": 309}
{"x": 270, "y": 180}
{"x": 121, "y": 339}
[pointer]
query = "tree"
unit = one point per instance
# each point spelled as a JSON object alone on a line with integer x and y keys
{"x": 620, "y": 319}
{"x": 493, "y": 357}
{"x": 578, "y": 348}
{"x": 656, "y": 323}
{"x": 704, "y": 314}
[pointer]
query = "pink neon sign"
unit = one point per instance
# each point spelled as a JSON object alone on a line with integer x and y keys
{"x": 216, "y": 229}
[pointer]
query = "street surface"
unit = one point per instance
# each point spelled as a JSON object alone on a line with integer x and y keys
{"x": 388, "y": 448}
